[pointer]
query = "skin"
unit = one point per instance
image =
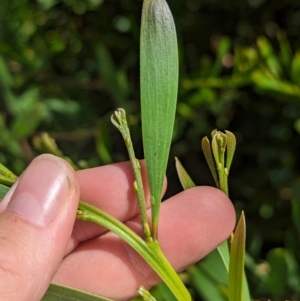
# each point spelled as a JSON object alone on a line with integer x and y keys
{"x": 87, "y": 257}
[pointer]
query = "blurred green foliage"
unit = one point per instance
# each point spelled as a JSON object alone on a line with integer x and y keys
{"x": 65, "y": 65}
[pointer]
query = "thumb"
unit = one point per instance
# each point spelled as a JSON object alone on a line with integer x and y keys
{"x": 35, "y": 227}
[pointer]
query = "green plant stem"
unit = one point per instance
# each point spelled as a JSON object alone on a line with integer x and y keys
{"x": 223, "y": 182}
{"x": 223, "y": 177}
{"x": 151, "y": 252}
{"x": 155, "y": 220}
{"x": 119, "y": 121}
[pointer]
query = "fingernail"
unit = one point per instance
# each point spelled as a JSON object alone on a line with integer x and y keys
{"x": 41, "y": 190}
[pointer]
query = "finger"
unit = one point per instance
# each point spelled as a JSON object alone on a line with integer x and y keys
{"x": 35, "y": 227}
{"x": 192, "y": 224}
{"x": 109, "y": 188}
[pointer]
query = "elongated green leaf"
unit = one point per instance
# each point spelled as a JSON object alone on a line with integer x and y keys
{"x": 223, "y": 49}
{"x": 10, "y": 143}
{"x": 26, "y": 123}
{"x": 6, "y": 83}
{"x": 285, "y": 49}
{"x": 278, "y": 277}
{"x": 237, "y": 258}
{"x": 110, "y": 76}
{"x": 57, "y": 292}
{"x": 3, "y": 191}
{"x": 184, "y": 177}
{"x": 210, "y": 278}
{"x": 103, "y": 142}
{"x": 267, "y": 52}
{"x": 223, "y": 251}
{"x": 5, "y": 76}
{"x": 280, "y": 88}
{"x": 162, "y": 293}
{"x": 159, "y": 84}
{"x": 295, "y": 68}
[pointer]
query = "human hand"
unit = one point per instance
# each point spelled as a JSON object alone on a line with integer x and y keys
{"x": 40, "y": 243}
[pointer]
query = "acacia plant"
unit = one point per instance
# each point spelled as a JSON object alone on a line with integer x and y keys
{"x": 159, "y": 84}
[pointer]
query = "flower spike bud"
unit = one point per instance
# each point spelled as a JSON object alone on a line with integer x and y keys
{"x": 222, "y": 145}
{"x": 219, "y": 142}
{"x": 222, "y": 141}
{"x": 118, "y": 118}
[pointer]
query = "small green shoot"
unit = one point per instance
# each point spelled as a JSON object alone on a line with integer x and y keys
{"x": 119, "y": 121}
{"x": 154, "y": 256}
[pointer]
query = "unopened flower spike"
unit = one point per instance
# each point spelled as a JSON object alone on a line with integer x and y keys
{"x": 118, "y": 119}
{"x": 219, "y": 156}
{"x": 219, "y": 141}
